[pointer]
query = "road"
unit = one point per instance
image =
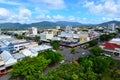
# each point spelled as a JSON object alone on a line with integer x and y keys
{"x": 69, "y": 57}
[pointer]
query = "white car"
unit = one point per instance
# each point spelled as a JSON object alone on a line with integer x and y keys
{"x": 83, "y": 53}
{"x": 62, "y": 61}
{"x": 107, "y": 55}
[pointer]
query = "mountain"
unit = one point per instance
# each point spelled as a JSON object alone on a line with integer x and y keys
{"x": 106, "y": 23}
{"x": 65, "y": 23}
{"x": 48, "y": 24}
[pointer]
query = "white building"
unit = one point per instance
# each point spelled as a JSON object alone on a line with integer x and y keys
{"x": 68, "y": 29}
{"x": 46, "y": 35}
{"x": 4, "y": 36}
{"x": 111, "y": 27}
{"x": 33, "y": 31}
{"x": 57, "y": 27}
{"x": 33, "y": 51}
{"x": 115, "y": 40}
{"x": 8, "y": 59}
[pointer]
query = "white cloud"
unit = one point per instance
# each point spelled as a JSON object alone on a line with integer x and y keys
{"x": 58, "y": 18}
{"x": 4, "y": 14}
{"x": 108, "y": 8}
{"x": 43, "y": 11}
{"x": 49, "y": 4}
{"x": 9, "y": 2}
{"x": 55, "y": 4}
{"x": 25, "y": 12}
{"x": 23, "y": 15}
{"x": 43, "y": 17}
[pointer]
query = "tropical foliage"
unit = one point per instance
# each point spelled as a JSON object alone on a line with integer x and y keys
{"x": 53, "y": 56}
{"x": 28, "y": 67}
{"x": 55, "y": 44}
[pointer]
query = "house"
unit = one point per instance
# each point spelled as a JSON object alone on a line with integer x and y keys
{"x": 46, "y": 36}
{"x": 83, "y": 37}
{"x": 33, "y": 51}
{"x": 33, "y": 31}
{"x": 115, "y": 40}
{"x": 8, "y": 59}
{"x": 111, "y": 47}
{"x": 12, "y": 45}
{"x": 2, "y": 64}
{"x": 18, "y": 56}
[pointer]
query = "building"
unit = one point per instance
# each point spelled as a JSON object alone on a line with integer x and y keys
{"x": 83, "y": 37}
{"x": 57, "y": 27}
{"x": 18, "y": 56}
{"x": 115, "y": 40}
{"x": 46, "y": 35}
{"x": 8, "y": 59}
{"x": 112, "y": 46}
{"x": 2, "y": 64}
{"x": 12, "y": 45}
{"x": 4, "y": 37}
{"x": 68, "y": 29}
{"x": 111, "y": 27}
{"x": 33, "y": 51}
{"x": 33, "y": 31}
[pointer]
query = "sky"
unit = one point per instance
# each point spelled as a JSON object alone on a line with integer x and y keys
{"x": 84, "y": 11}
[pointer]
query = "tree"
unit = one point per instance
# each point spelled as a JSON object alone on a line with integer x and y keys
{"x": 97, "y": 51}
{"x": 36, "y": 38}
{"x": 29, "y": 66}
{"x": 106, "y": 37}
{"x": 20, "y": 36}
{"x": 54, "y": 57}
{"x": 55, "y": 44}
{"x": 73, "y": 50}
{"x": 40, "y": 42}
{"x": 93, "y": 43}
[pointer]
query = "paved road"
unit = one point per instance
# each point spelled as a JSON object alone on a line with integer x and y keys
{"x": 5, "y": 77}
{"x": 69, "y": 57}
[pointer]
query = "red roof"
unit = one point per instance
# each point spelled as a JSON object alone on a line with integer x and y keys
{"x": 110, "y": 46}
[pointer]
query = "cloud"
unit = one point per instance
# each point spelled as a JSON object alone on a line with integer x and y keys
{"x": 58, "y": 18}
{"x": 9, "y": 2}
{"x": 43, "y": 17}
{"x": 4, "y": 14}
{"x": 23, "y": 15}
{"x": 25, "y": 12}
{"x": 43, "y": 11}
{"x": 49, "y": 4}
{"x": 55, "y": 4}
{"x": 108, "y": 8}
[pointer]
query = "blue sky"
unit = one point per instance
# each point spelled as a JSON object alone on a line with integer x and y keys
{"x": 84, "y": 11}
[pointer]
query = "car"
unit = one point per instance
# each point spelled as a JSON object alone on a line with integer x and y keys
{"x": 83, "y": 53}
{"x": 107, "y": 55}
{"x": 62, "y": 61}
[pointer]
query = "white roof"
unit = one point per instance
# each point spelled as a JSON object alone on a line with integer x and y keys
{"x": 8, "y": 58}
{"x": 40, "y": 48}
{"x": 26, "y": 52}
{"x": 115, "y": 39}
{"x": 33, "y": 51}
{"x": 1, "y": 62}
{"x": 18, "y": 55}
{"x": 73, "y": 35}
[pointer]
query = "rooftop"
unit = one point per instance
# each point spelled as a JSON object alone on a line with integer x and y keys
{"x": 110, "y": 46}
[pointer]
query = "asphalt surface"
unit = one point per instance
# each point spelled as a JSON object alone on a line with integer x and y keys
{"x": 69, "y": 57}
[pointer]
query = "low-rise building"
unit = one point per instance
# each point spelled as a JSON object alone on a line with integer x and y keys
{"x": 46, "y": 36}
{"x": 112, "y": 46}
{"x": 8, "y": 59}
{"x": 33, "y": 51}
